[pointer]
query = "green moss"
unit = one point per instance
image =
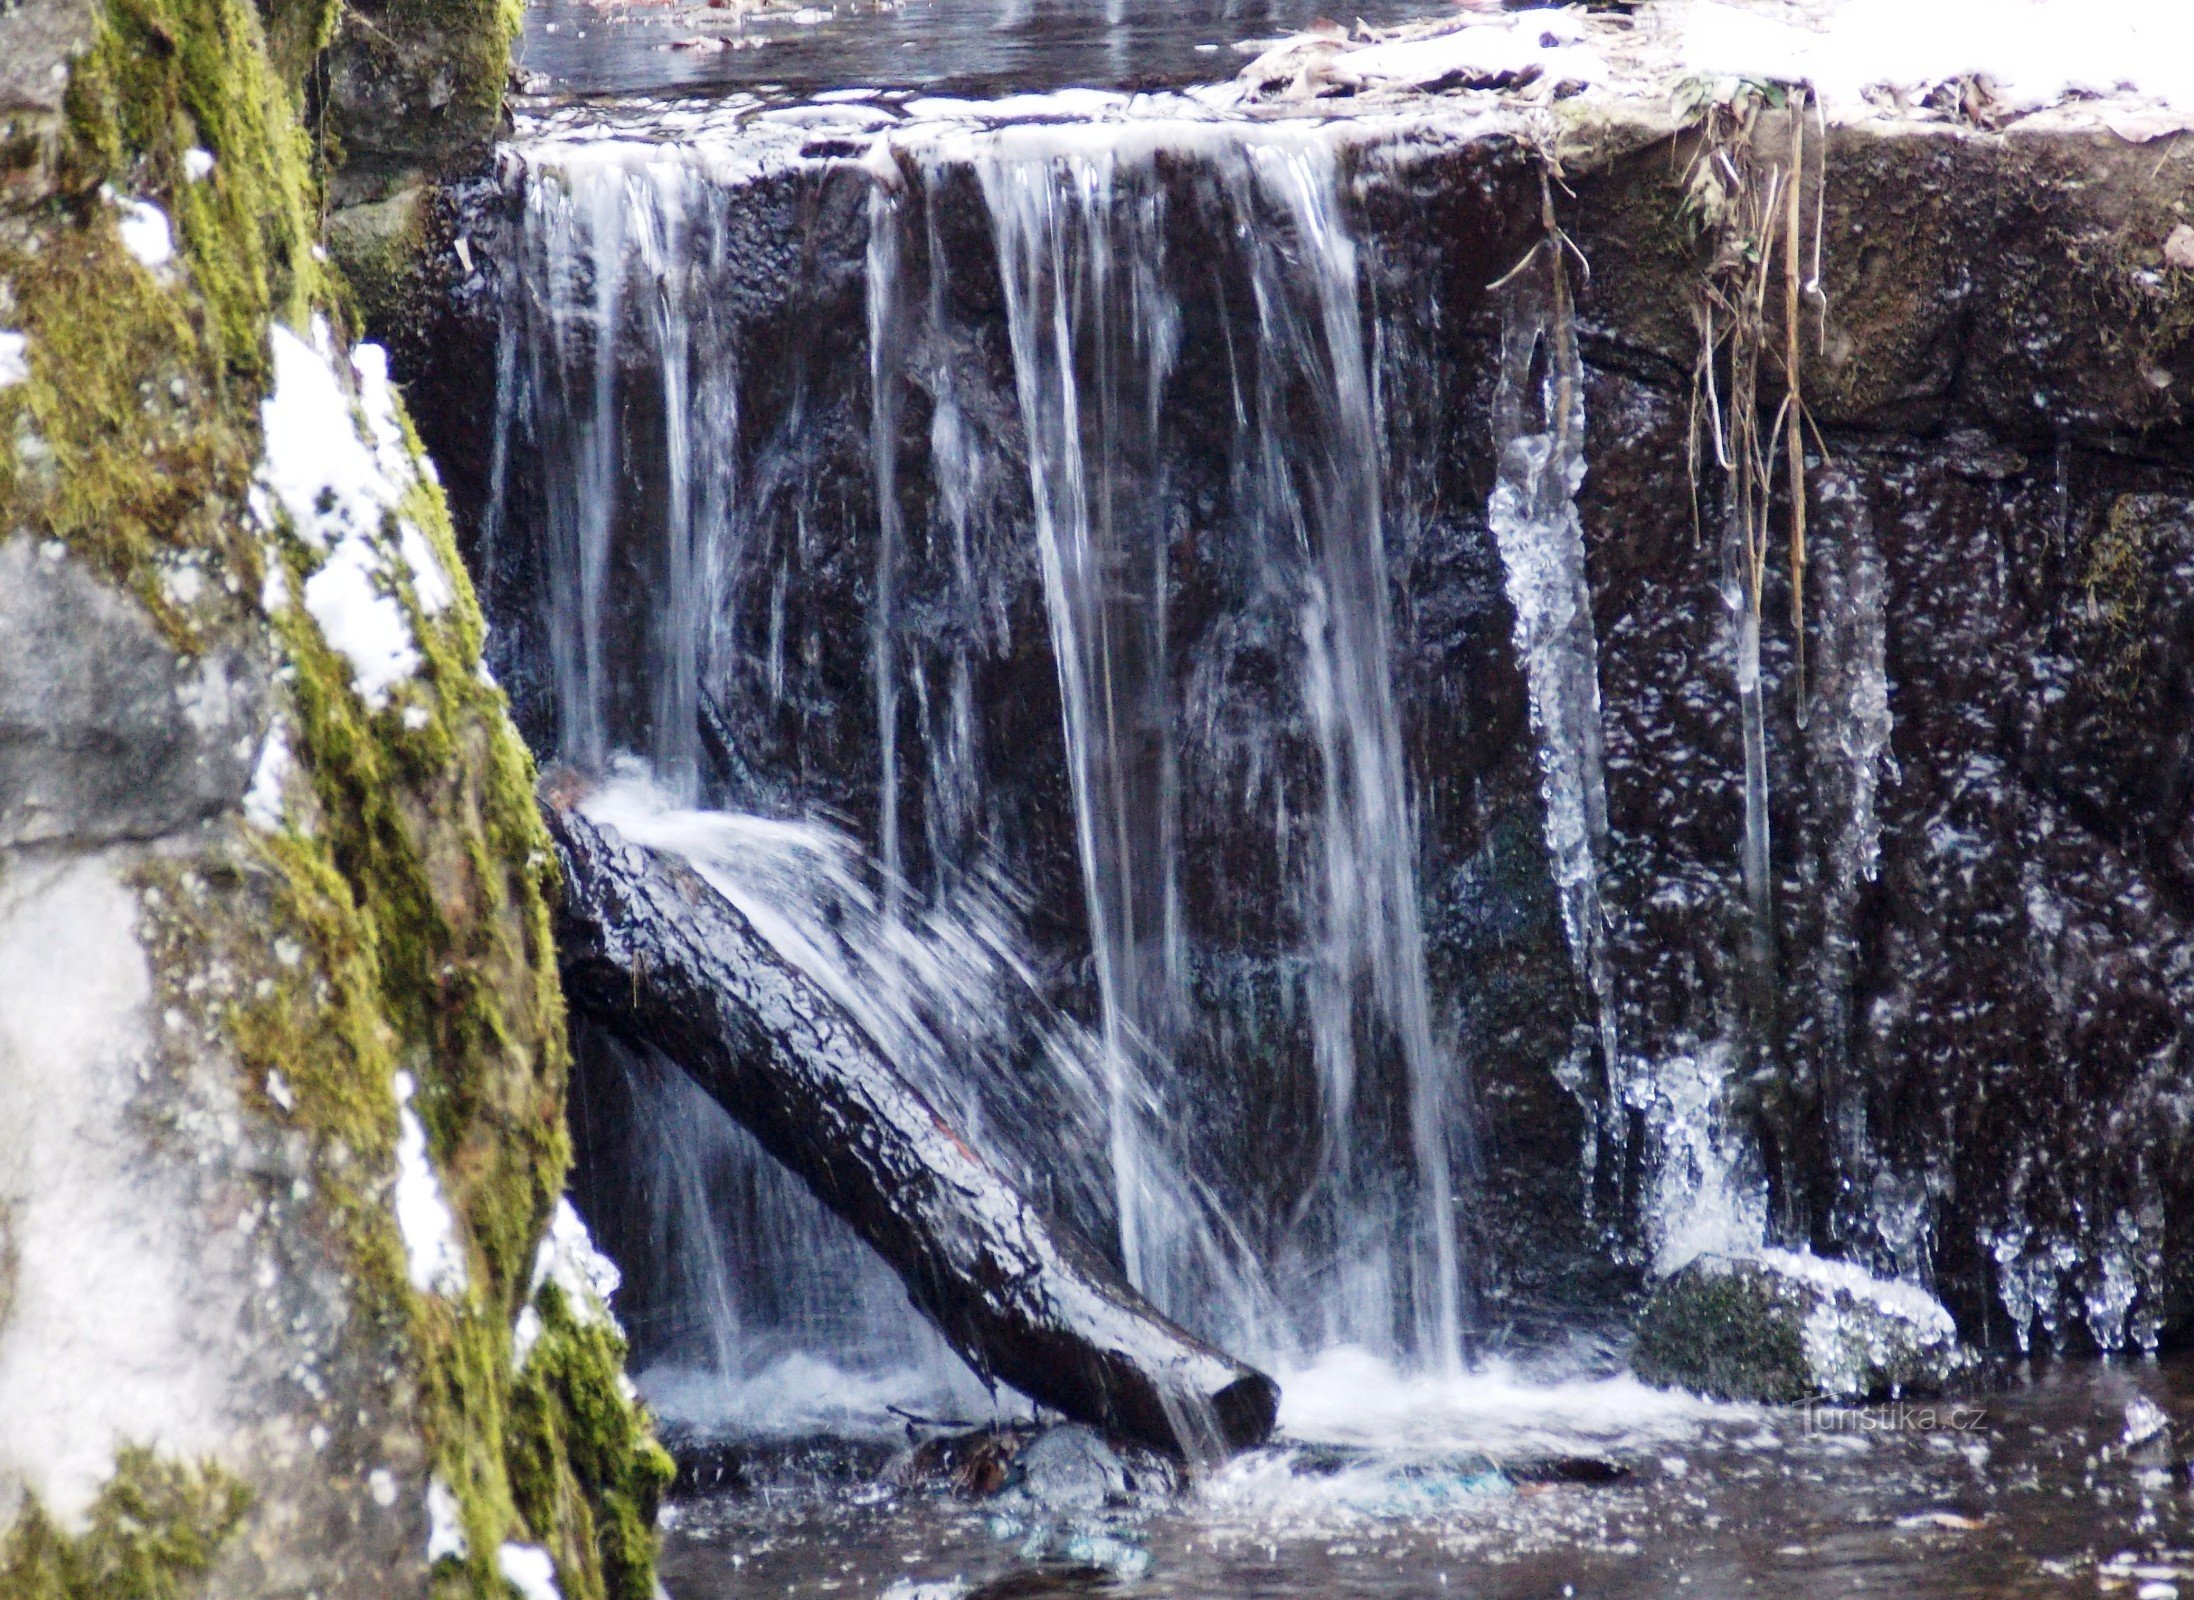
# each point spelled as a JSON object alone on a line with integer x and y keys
{"x": 152, "y": 1534}
{"x": 402, "y": 921}
{"x": 135, "y": 435}
{"x": 581, "y": 1457}
{"x": 2126, "y": 567}
{"x": 379, "y": 247}
{"x": 1729, "y": 1334}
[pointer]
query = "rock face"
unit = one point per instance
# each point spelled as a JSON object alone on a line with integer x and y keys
{"x": 1779, "y": 1326}
{"x": 282, "y": 1057}
{"x": 105, "y": 732}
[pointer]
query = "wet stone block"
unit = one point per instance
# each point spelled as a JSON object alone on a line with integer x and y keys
{"x": 1786, "y": 1327}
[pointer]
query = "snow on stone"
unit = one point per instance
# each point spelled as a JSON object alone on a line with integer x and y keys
{"x": 263, "y": 800}
{"x": 319, "y": 470}
{"x": 1542, "y": 43}
{"x": 524, "y": 1335}
{"x": 361, "y": 620}
{"x": 445, "y": 1524}
{"x": 568, "y": 1258}
{"x": 430, "y": 583}
{"x": 197, "y": 164}
{"x": 377, "y": 399}
{"x": 528, "y": 1569}
{"x": 14, "y": 358}
{"x": 339, "y": 480}
{"x": 1906, "y": 1301}
{"x": 435, "y": 1261}
{"x": 145, "y": 233}
{"x": 2032, "y": 52}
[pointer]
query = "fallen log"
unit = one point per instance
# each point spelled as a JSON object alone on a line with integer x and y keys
{"x": 650, "y": 949}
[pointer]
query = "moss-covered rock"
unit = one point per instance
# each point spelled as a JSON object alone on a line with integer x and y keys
{"x": 283, "y": 846}
{"x": 1786, "y": 1328}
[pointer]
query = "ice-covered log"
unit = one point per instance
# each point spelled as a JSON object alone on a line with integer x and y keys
{"x": 649, "y": 948}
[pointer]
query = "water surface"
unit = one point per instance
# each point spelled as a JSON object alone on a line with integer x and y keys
{"x": 969, "y": 46}
{"x": 2036, "y": 1490}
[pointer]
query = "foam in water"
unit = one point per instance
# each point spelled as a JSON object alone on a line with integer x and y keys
{"x": 1503, "y": 1409}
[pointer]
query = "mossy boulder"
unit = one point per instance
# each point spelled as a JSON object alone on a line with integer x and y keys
{"x": 1784, "y": 1327}
{"x": 282, "y": 1049}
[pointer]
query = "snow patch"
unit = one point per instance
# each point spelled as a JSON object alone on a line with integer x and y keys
{"x": 362, "y": 621}
{"x": 446, "y": 1539}
{"x": 524, "y": 1335}
{"x": 1536, "y": 44}
{"x": 377, "y": 400}
{"x": 197, "y": 164}
{"x": 528, "y": 1569}
{"x": 263, "y": 800}
{"x": 2033, "y": 53}
{"x": 338, "y": 478}
{"x": 14, "y": 358}
{"x": 433, "y": 1257}
{"x": 317, "y": 467}
{"x": 145, "y": 233}
{"x": 568, "y": 1259}
{"x": 430, "y": 583}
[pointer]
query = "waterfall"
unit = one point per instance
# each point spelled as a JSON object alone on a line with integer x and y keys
{"x": 1091, "y": 332}
{"x": 609, "y": 254}
{"x": 1243, "y": 838}
{"x": 1082, "y": 239}
{"x": 731, "y": 1332}
{"x": 883, "y": 266}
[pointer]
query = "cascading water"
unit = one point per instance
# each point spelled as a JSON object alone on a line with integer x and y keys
{"x": 1081, "y": 240}
{"x": 1279, "y": 1245}
{"x": 1017, "y": 492}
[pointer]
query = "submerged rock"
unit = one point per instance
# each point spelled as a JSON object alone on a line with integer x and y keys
{"x": 1072, "y": 1469}
{"x": 1781, "y": 1326}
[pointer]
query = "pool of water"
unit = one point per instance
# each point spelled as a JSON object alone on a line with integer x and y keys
{"x": 974, "y": 47}
{"x": 2070, "y": 1478}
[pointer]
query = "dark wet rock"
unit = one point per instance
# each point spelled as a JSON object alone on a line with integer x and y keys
{"x": 1782, "y": 1327}
{"x": 1573, "y": 1469}
{"x": 739, "y": 1467}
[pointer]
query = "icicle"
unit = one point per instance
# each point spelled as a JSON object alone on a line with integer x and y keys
{"x": 1538, "y": 438}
